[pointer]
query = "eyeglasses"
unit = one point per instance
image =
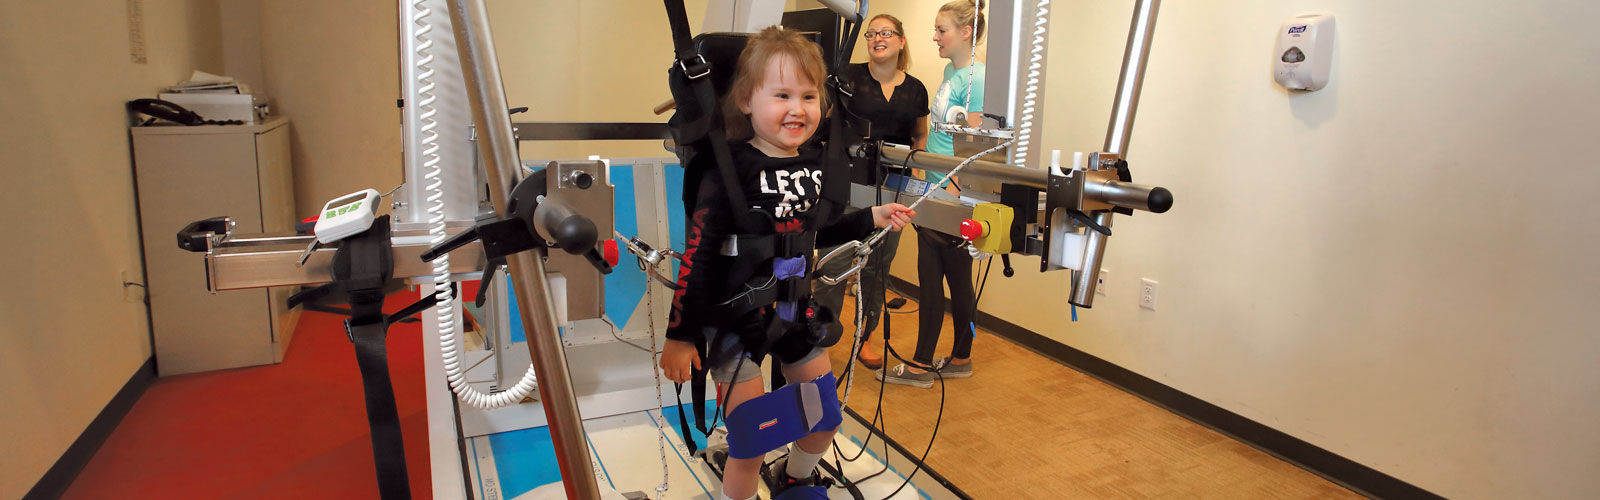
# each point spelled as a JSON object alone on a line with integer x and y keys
{"x": 880, "y": 34}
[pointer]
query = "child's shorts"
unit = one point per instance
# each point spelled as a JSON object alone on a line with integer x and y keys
{"x": 732, "y": 361}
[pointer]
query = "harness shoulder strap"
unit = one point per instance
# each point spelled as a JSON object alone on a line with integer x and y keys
{"x": 692, "y": 70}
{"x": 362, "y": 267}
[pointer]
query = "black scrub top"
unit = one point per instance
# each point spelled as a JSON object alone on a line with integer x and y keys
{"x": 894, "y": 119}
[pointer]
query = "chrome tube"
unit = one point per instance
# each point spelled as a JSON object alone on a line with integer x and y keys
{"x": 1128, "y": 195}
{"x": 1118, "y": 133}
{"x": 1034, "y": 178}
{"x": 1131, "y": 78}
{"x": 498, "y": 148}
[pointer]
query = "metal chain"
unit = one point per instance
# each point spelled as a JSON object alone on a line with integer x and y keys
{"x": 855, "y": 347}
{"x": 655, "y": 362}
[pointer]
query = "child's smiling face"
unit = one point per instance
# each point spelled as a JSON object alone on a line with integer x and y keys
{"x": 784, "y": 109}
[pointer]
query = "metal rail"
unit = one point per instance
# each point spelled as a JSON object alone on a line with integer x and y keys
{"x": 1118, "y": 133}
{"x": 254, "y": 261}
{"x": 1100, "y": 186}
{"x": 497, "y": 146}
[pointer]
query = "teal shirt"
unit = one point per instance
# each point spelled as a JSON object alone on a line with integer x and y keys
{"x": 953, "y": 92}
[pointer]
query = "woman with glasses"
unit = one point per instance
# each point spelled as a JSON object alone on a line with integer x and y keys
{"x": 894, "y": 103}
{"x": 940, "y": 257}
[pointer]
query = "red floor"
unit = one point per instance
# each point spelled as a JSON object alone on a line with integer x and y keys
{"x": 293, "y": 430}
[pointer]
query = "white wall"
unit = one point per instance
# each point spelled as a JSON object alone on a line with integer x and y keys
{"x": 1397, "y": 268}
{"x": 68, "y": 339}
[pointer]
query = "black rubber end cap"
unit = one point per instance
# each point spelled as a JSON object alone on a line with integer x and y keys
{"x": 577, "y": 234}
{"x": 1160, "y": 200}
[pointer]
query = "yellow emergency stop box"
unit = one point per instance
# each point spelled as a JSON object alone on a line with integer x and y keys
{"x": 996, "y": 221}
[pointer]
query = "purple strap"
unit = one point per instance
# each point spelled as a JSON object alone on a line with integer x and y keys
{"x": 789, "y": 268}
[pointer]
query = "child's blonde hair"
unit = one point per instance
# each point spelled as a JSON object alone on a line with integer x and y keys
{"x": 772, "y": 42}
{"x": 965, "y": 12}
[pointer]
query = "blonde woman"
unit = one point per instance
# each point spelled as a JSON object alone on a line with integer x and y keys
{"x": 958, "y": 26}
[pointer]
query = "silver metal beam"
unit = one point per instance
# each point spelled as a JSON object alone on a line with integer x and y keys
{"x": 1118, "y": 133}
{"x": 254, "y": 261}
{"x": 996, "y": 171}
{"x": 498, "y": 148}
{"x": 1101, "y": 190}
{"x": 1131, "y": 78}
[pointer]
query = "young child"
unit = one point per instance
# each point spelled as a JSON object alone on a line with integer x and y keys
{"x": 774, "y": 107}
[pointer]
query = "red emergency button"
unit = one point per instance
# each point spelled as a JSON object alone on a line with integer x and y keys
{"x": 972, "y": 230}
{"x": 609, "y": 250}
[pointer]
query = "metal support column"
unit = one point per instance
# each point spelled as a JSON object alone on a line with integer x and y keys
{"x": 1130, "y": 80}
{"x": 497, "y": 146}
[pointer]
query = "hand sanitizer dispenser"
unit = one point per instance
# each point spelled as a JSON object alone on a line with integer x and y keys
{"x": 1305, "y": 52}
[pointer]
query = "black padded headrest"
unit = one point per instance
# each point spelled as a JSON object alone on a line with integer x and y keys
{"x": 722, "y": 51}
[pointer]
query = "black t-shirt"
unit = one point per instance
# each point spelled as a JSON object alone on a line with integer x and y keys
{"x": 893, "y": 119}
{"x": 784, "y": 188}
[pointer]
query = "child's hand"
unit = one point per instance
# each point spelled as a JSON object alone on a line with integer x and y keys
{"x": 679, "y": 360}
{"x": 894, "y": 216}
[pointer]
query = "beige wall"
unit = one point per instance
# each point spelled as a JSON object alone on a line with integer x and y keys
{"x": 1396, "y": 268}
{"x": 333, "y": 68}
{"x": 1359, "y": 267}
{"x": 557, "y": 66}
{"x": 68, "y": 340}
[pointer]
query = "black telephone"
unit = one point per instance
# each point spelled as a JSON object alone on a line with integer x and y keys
{"x": 165, "y": 110}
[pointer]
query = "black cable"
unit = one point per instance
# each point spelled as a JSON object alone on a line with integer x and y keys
{"x": 984, "y": 282}
{"x": 877, "y": 413}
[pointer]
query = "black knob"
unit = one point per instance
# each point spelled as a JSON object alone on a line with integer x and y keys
{"x": 581, "y": 179}
{"x": 1160, "y": 200}
{"x": 576, "y": 234}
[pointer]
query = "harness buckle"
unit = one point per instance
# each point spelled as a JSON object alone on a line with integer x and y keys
{"x": 699, "y": 68}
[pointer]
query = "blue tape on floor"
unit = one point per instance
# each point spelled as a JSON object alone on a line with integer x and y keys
{"x": 681, "y": 458}
{"x": 880, "y": 460}
{"x": 671, "y": 414}
{"x": 526, "y": 460}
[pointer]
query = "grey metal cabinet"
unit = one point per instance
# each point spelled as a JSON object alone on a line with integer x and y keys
{"x": 186, "y": 174}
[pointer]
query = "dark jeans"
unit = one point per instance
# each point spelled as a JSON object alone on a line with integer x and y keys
{"x": 872, "y": 282}
{"x": 941, "y": 258}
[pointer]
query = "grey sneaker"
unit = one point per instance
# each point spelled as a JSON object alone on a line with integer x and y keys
{"x": 900, "y": 375}
{"x": 952, "y": 370}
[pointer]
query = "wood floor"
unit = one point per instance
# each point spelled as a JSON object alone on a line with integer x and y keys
{"x": 1025, "y": 426}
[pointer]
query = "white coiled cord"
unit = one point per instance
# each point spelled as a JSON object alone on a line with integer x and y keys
{"x": 1041, "y": 19}
{"x": 446, "y": 308}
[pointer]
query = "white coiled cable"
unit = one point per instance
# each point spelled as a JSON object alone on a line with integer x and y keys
{"x": 1041, "y": 20}
{"x": 446, "y": 308}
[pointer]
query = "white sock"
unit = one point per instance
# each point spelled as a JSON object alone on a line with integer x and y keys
{"x": 725, "y": 496}
{"x": 801, "y": 462}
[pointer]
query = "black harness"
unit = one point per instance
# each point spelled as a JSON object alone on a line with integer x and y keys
{"x": 363, "y": 271}
{"x": 770, "y": 269}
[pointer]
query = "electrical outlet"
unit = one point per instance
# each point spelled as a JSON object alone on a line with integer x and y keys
{"x": 1148, "y": 290}
{"x": 1100, "y": 286}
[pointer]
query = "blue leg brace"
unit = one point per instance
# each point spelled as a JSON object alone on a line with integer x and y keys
{"x": 780, "y": 417}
